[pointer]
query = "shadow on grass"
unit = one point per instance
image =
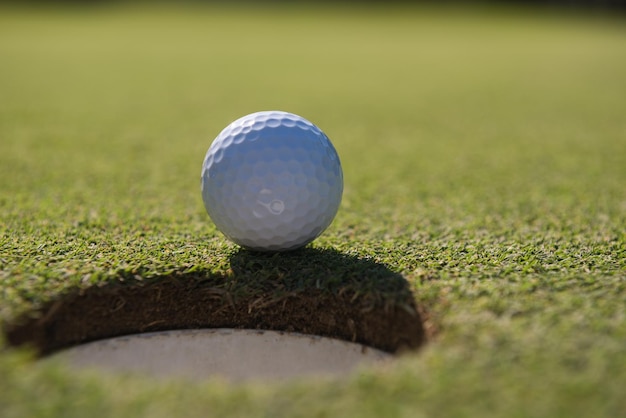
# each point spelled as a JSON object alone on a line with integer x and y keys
{"x": 311, "y": 291}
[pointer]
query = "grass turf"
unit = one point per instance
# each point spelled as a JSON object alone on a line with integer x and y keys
{"x": 484, "y": 161}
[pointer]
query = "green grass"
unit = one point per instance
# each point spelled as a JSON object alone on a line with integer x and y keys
{"x": 484, "y": 159}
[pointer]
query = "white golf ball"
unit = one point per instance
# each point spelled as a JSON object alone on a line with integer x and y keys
{"x": 272, "y": 181}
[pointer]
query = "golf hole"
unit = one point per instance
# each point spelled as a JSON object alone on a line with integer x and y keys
{"x": 231, "y": 354}
{"x": 310, "y": 312}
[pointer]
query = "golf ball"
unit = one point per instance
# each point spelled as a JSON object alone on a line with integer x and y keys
{"x": 272, "y": 181}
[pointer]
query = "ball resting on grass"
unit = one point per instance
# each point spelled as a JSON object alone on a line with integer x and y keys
{"x": 272, "y": 181}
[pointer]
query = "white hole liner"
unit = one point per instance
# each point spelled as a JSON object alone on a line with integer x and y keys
{"x": 235, "y": 355}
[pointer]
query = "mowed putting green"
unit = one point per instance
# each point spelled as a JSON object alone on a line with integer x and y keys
{"x": 481, "y": 234}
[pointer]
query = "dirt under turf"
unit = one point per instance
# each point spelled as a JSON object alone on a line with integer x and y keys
{"x": 354, "y": 311}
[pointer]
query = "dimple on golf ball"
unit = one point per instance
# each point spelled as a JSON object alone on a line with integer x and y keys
{"x": 272, "y": 181}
